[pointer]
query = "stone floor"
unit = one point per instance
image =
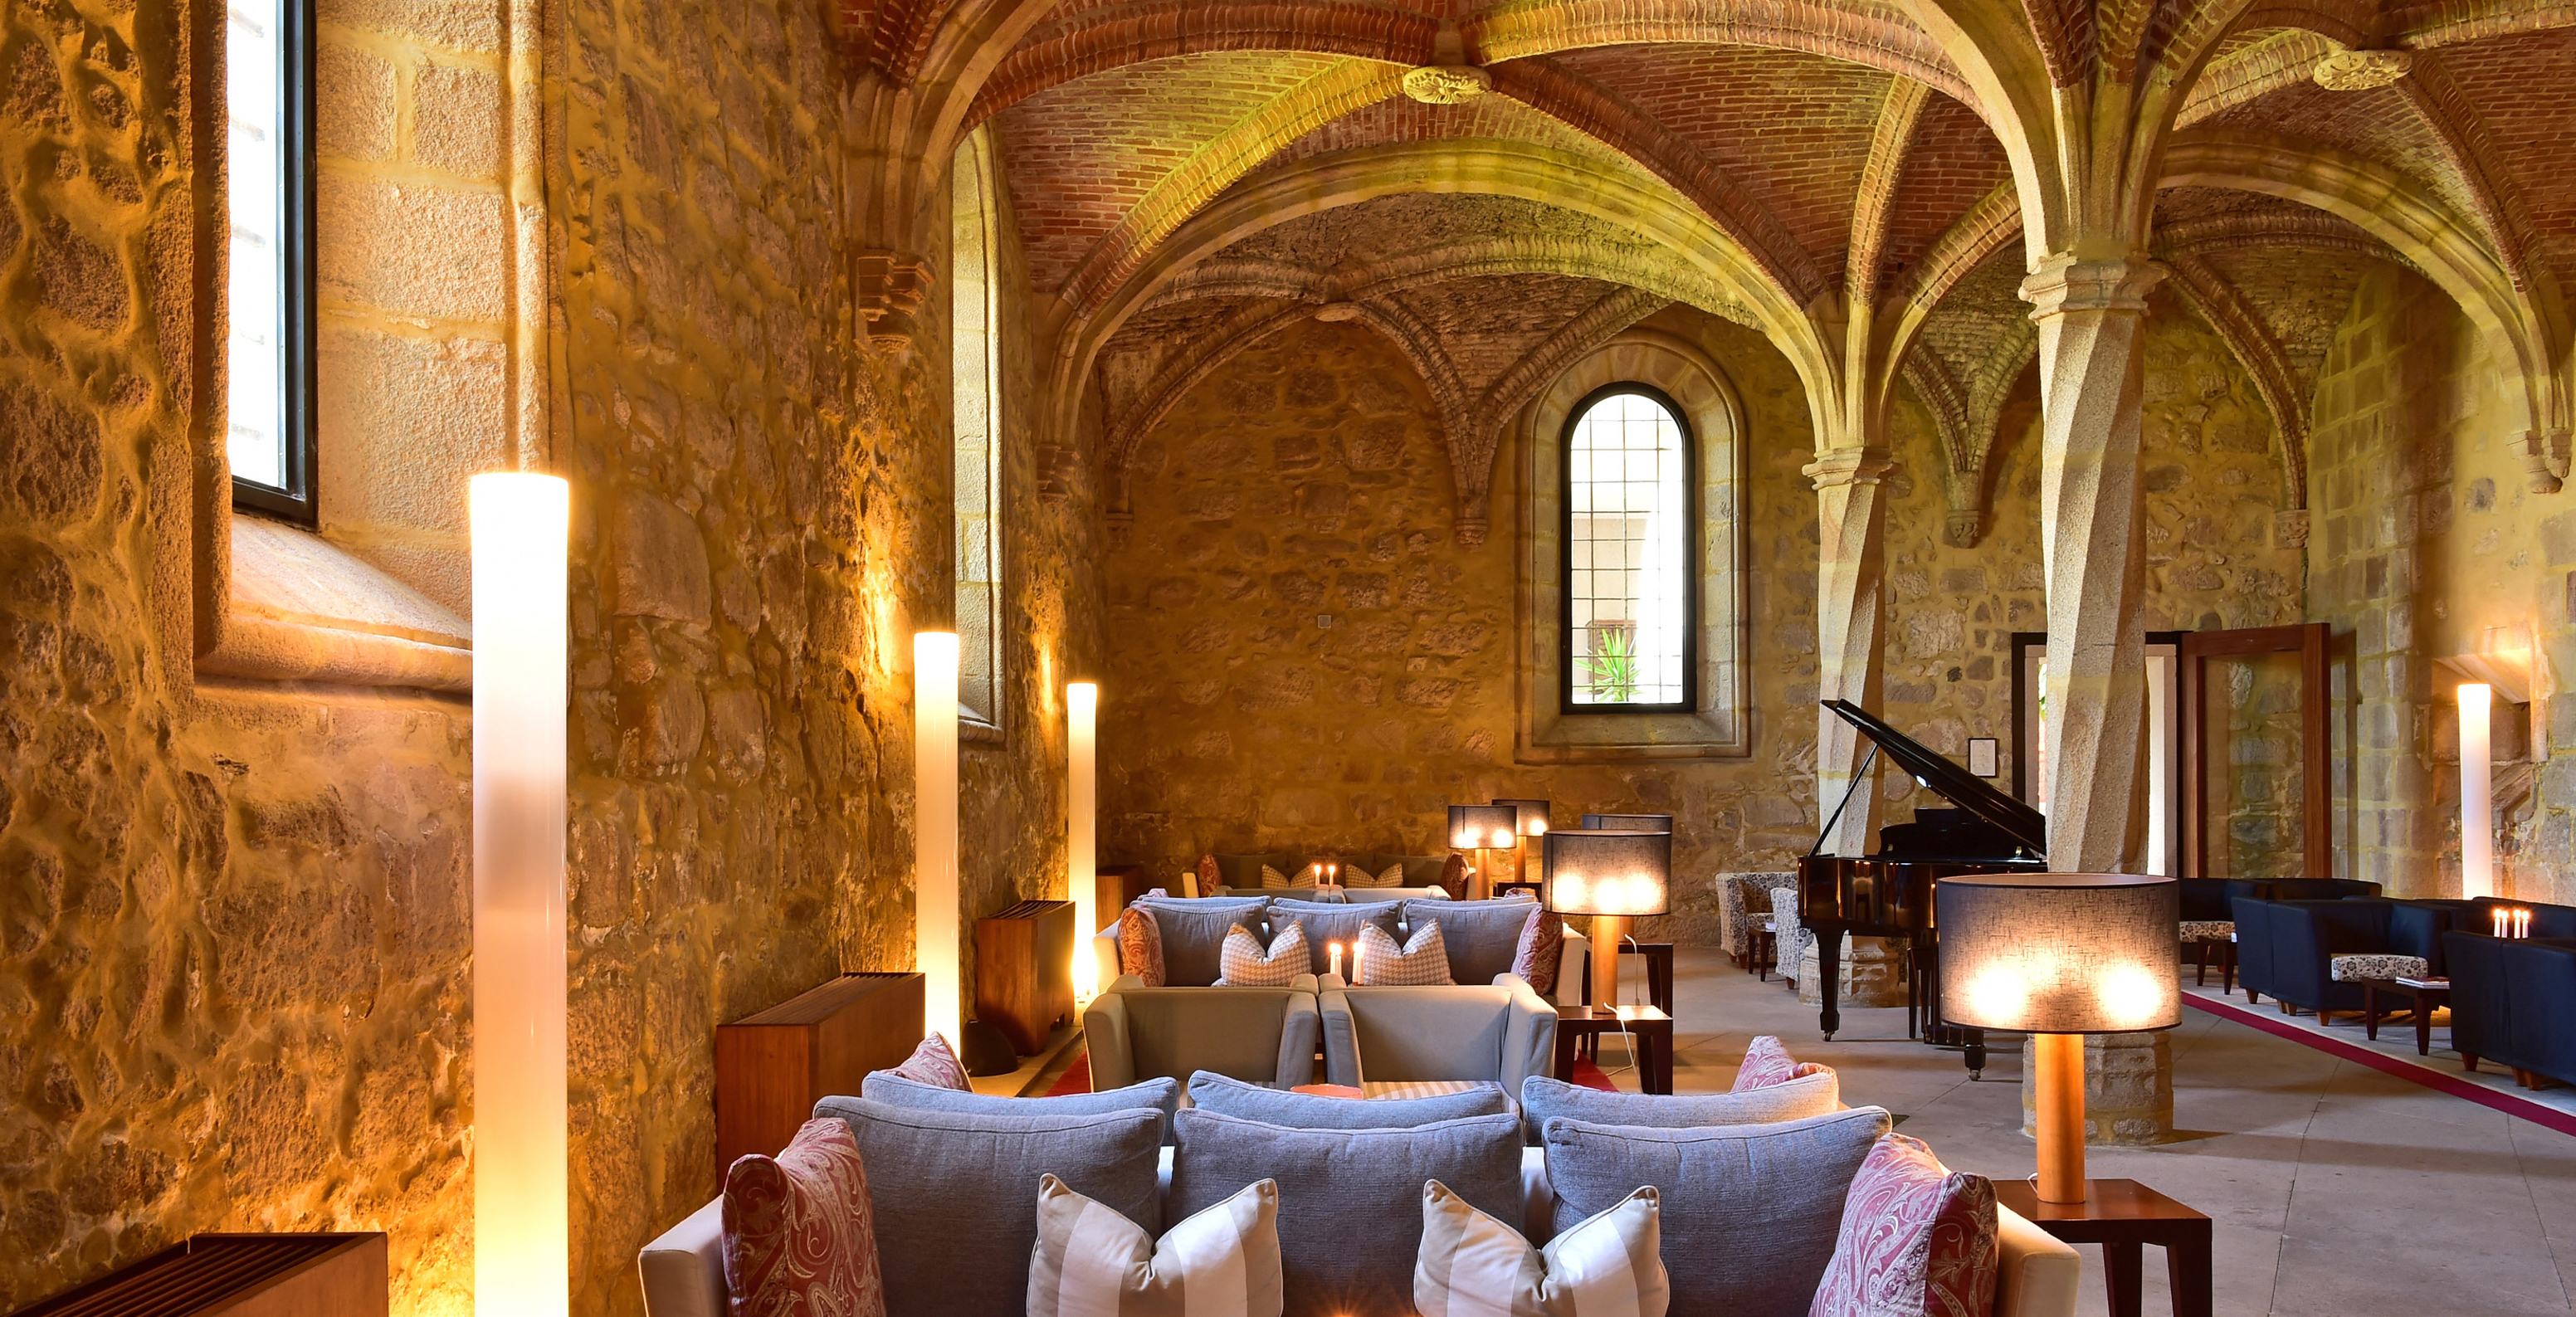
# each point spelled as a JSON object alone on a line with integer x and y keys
{"x": 2337, "y": 1189}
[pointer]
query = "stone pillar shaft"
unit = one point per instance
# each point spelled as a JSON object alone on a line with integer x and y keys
{"x": 1851, "y": 511}
{"x": 2092, "y": 323}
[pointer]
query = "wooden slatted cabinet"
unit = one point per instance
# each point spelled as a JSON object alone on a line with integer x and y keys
{"x": 1024, "y": 971}
{"x": 772, "y": 1067}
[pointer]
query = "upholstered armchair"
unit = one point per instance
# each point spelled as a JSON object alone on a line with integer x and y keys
{"x": 1743, "y": 902}
{"x": 1258, "y": 1035}
{"x": 2315, "y": 954}
{"x": 1501, "y": 1032}
{"x": 2511, "y": 999}
{"x": 1790, "y": 938}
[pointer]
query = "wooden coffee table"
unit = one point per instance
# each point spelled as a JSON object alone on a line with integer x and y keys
{"x": 2122, "y": 1216}
{"x": 2427, "y": 998}
{"x": 1652, "y": 1028}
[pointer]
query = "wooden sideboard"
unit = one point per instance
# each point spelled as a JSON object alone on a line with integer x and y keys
{"x": 773, "y": 1066}
{"x": 1024, "y": 971}
{"x": 230, "y": 1275}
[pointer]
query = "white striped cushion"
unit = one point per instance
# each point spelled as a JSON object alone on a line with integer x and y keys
{"x": 1393, "y": 877}
{"x": 1243, "y": 964}
{"x": 1091, "y": 1261}
{"x": 1421, "y": 962}
{"x": 1472, "y": 1265}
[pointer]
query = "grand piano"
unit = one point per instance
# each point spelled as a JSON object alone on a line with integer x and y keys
{"x": 1889, "y": 894}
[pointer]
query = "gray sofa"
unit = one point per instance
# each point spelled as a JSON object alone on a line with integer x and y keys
{"x": 1501, "y": 1031}
{"x": 1258, "y": 1035}
{"x": 1473, "y": 959}
{"x": 683, "y": 1270}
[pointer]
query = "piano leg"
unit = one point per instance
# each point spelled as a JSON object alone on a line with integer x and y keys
{"x": 1976, "y": 1052}
{"x": 1829, "y": 973}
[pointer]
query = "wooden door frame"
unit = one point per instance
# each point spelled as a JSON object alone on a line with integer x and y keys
{"x": 2310, "y": 641}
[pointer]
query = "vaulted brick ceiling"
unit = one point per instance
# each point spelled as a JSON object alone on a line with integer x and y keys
{"x": 1117, "y": 122}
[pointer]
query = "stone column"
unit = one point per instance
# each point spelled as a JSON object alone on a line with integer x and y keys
{"x": 2092, "y": 323}
{"x": 1851, "y": 512}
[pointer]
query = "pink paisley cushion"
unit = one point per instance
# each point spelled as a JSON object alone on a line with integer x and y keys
{"x": 933, "y": 1064}
{"x": 1209, "y": 878}
{"x": 1541, "y": 949}
{"x": 1766, "y": 1063}
{"x": 1140, "y": 946}
{"x": 799, "y": 1237}
{"x": 1453, "y": 876}
{"x": 1918, "y": 1240}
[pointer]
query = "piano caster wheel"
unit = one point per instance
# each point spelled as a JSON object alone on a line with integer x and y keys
{"x": 1829, "y": 1038}
{"x": 1976, "y": 1075}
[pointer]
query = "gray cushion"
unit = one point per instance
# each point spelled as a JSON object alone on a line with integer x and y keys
{"x": 954, "y": 1194}
{"x": 1312, "y": 1111}
{"x": 1350, "y": 1201}
{"x": 1543, "y": 1099}
{"x": 1481, "y": 936}
{"x": 1749, "y": 1212}
{"x": 1163, "y": 1095}
{"x": 1326, "y": 924}
{"x": 1193, "y": 936}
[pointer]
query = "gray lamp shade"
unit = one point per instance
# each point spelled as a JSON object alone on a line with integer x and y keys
{"x": 1592, "y": 871}
{"x": 1533, "y": 816}
{"x": 2060, "y": 952}
{"x": 1483, "y": 827}
{"x": 1630, "y": 822}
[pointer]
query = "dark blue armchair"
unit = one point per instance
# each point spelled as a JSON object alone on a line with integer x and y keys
{"x": 2513, "y": 1002}
{"x": 2286, "y": 949}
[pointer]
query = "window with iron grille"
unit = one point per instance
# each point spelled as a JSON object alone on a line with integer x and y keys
{"x": 1630, "y": 594}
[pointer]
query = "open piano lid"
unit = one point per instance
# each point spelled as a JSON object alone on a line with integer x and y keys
{"x": 2023, "y": 824}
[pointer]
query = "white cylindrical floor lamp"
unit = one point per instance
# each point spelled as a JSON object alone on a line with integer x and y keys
{"x": 934, "y": 847}
{"x": 2477, "y": 812}
{"x": 522, "y": 1249}
{"x": 1081, "y": 840}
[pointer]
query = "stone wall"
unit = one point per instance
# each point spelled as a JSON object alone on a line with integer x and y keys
{"x": 2426, "y": 536}
{"x": 1306, "y": 478}
{"x": 232, "y": 919}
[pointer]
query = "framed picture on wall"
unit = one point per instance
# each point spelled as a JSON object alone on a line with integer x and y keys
{"x": 1981, "y": 755}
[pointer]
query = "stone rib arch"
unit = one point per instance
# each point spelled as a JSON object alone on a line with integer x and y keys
{"x": 1879, "y": 36}
{"x": 1175, "y": 379}
{"x": 1613, "y": 314}
{"x": 2418, "y": 227}
{"x": 1217, "y": 164}
{"x": 1454, "y": 166}
{"x": 2241, "y": 325}
{"x": 1110, "y": 37}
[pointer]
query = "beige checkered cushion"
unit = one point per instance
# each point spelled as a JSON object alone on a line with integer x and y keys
{"x": 1393, "y": 877}
{"x": 1421, "y": 962}
{"x": 1421, "y": 1088}
{"x": 1243, "y": 964}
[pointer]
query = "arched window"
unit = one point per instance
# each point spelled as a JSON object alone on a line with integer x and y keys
{"x": 1630, "y": 633}
{"x": 975, "y": 369}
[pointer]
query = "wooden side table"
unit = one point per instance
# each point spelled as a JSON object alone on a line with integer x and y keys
{"x": 2427, "y": 999}
{"x": 2122, "y": 1216}
{"x": 1652, "y": 1028}
{"x": 1659, "y": 974}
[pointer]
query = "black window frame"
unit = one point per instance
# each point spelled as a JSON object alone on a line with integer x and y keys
{"x": 298, "y": 501}
{"x": 1694, "y": 562}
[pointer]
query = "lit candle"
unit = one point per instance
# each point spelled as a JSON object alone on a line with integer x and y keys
{"x": 1081, "y": 803}
{"x": 522, "y": 1248}
{"x": 2477, "y": 816}
{"x": 1337, "y": 958}
{"x": 2521, "y": 923}
{"x": 934, "y": 840}
{"x": 1356, "y": 948}
{"x": 2497, "y": 917}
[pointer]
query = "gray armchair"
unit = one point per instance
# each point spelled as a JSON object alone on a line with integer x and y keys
{"x": 1258, "y": 1035}
{"x": 1503, "y": 1032}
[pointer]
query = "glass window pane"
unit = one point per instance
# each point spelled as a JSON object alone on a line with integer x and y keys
{"x": 1628, "y": 578}
{"x": 255, "y": 64}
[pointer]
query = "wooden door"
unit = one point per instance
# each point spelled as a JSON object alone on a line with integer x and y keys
{"x": 2254, "y": 743}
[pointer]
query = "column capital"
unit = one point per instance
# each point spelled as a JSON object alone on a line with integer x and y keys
{"x": 1848, "y": 466}
{"x": 2063, "y": 284}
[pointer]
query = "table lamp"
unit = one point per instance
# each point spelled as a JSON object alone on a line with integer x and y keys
{"x": 1613, "y": 875}
{"x": 1483, "y": 829}
{"x": 1532, "y": 823}
{"x": 2058, "y": 956}
{"x": 1630, "y": 822}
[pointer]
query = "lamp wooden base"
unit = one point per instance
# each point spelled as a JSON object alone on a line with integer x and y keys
{"x": 2057, "y": 1066}
{"x": 1608, "y": 932}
